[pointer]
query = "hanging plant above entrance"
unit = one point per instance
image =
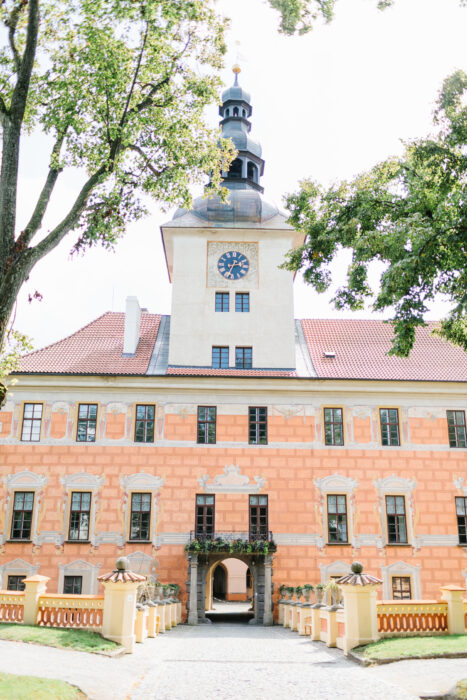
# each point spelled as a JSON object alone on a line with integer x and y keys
{"x": 239, "y": 546}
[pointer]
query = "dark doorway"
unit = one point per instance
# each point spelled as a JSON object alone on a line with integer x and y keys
{"x": 219, "y": 583}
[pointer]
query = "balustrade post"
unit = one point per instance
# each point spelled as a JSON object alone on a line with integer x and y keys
{"x": 360, "y": 611}
{"x": 193, "y": 604}
{"x": 34, "y": 587}
{"x": 453, "y": 595}
{"x": 120, "y": 592}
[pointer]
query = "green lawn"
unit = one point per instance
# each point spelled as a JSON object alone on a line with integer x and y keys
{"x": 406, "y": 647}
{"x": 31, "y": 688}
{"x": 80, "y": 640}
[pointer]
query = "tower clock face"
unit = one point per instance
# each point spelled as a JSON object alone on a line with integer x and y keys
{"x": 233, "y": 265}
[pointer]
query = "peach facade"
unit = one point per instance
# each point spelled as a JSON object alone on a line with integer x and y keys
{"x": 296, "y": 470}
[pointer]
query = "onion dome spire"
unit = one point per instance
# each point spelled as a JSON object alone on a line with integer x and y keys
{"x": 235, "y": 110}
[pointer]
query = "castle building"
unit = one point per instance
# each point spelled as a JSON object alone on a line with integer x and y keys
{"x": 230, "y": 421}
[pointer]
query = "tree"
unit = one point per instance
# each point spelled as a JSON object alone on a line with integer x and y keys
{"x": 120, "y": 87}
{"x": 408, "y": 212}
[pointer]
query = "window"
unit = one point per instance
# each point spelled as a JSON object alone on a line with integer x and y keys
{"x": 23, "y": 504}
{"x": 401, "y": 589}
{"x": 258, "y": 517}
{"x": 243, "y": 358}
{"x": 220, "y": 357}
{"x": 32, "y": 417}
{"x": 15, "y": 583}
{"x": 80, "y": 511}
{"x": 144, "y": 423}
{"x": 333, "y": 426}
{"x": 140, "y": 516}
{"x": 252, "y": 172}
{"x": 87, "y": 421}
{"x": 242, "y": 302}
{"x": 389, "y": 418}
{"x": 206, "y": 425}
{"x": 235, "y": 170}
{"x": 395, "y": 513}
{"x": 258, "y": 426}
{"x": 461, "y": 512}
{"x": 73, "y": 585}
{"x": 204, "y": 517}
{"x": 456, "y": 428}
{"x": 337, "y": 519}
{"x": 222, "y": 301}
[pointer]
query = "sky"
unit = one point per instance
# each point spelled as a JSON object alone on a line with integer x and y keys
{"x": 327, "y": 106}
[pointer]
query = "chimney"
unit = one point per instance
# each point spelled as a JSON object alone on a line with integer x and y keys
{"x": 132, "y": 326}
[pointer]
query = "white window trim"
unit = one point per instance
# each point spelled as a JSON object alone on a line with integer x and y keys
{"x": 81, "y": 482}
{"x": 401, "y": 568}
{"x": 23, "y": 481}
{"x": 336, "y": 484}
{"x": 16, "y": 567}
{"x": 396, "y": 486}
{"x": 89, "y": 573}
{"x": 141, "y": 483}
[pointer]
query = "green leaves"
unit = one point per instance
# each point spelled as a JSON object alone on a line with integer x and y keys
{"x": 409, "y": 213}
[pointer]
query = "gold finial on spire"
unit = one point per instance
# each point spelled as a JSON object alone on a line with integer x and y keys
{"x": 236, "y": 69}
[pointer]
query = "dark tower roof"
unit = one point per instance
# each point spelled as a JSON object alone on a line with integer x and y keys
{"x": 246, "y": 203}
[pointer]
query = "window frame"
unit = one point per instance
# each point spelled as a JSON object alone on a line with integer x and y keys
{"x": 206, "y": 422}
{"x": 74, "y": 577}
{"x": 71, "y": 511}
{"x": 204, "y": 506}
{"x": 400, "y": 577}
{"x": 87, "y": 420}
{"x": 21, "y": 427}
{"x": 390, "y": 423}
{"x": 333, "y": 423}
{"x": 222, "y": 297}
{"x": 346, "y": 519}
{"x": 397, "y": 541}
{"x": 256, "y": 509}
{"x": 145, "y": 421}
{"x": 18, "y": 582}
{"x": 257, "y": 423}
{"x": 240, "y": 298}
{"x": 245, "y": 363}
{"x": 462, "y": 537}
{"x": 455, "y": 426}
{"x": 14, "y": 510}
{"x": 141, "y": 513}
{"x": 220, "y": 348}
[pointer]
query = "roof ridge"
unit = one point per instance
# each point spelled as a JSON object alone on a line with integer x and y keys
{"x": 51, "y": 345}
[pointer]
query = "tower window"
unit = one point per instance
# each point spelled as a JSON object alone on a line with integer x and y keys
{"x": 235, "y": 111}
{"x": 227, "y": 112}
{"x": 243, "y": 358}
{"x": 222, "y": 301}
{"x": 220, "y": 357}
{"x": 243, "y": 113}
{"x": 236, "y": 168}
{"x": 242, "y": 302}
{"x": 252, "y": 172}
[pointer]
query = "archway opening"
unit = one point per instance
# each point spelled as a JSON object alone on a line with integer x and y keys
{"x": 229, "y": 592}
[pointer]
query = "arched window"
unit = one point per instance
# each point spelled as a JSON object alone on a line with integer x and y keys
{"x": 236, "y": 168}
{"x": 227, "y": 112}
{"x": 243, "y": 113}
{"x": 235, "y": 111}
{"x": 252, "y": 172}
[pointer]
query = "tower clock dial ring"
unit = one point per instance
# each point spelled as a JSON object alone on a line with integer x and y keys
{"x": 233, "y": 265}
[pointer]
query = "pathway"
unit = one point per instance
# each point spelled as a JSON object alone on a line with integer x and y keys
{"x": 229, "y": 662}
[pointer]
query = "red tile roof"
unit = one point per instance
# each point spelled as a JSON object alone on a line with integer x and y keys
{"x": 209, "y": 372}
{"x": 96, "y": 349}
{"x": 361, "y": 349}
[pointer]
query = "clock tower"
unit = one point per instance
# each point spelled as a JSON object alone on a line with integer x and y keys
{"x": 232, "y": 305}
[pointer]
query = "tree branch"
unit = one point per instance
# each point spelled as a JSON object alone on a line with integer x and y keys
{"x": 12, "y": 23}
{"x": 35, "y": 221}
{"x": 135, "y": 76}
{"x": 139, "y": 150}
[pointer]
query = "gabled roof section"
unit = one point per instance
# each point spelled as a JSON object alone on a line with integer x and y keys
{"x": 361, "y": 348}
{"x": 96, "y": 349}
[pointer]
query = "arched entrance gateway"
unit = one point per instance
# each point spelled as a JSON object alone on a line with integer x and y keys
{"x": 208, "y": 575}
